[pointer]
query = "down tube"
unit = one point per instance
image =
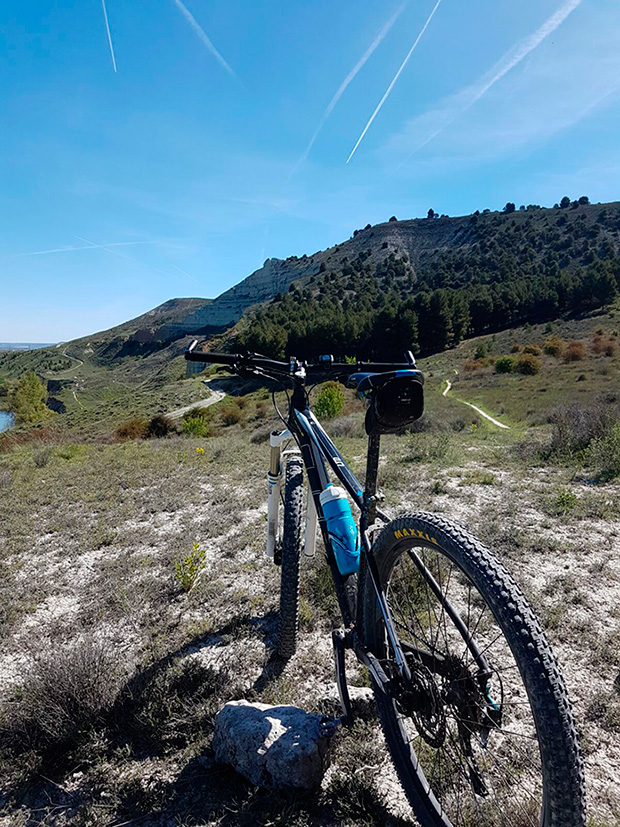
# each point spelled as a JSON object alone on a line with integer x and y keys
{"x": 312, "y": 454}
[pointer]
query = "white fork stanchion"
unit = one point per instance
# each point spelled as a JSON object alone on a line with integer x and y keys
{"x": 274, "y": 481}
{"x": 311, "y": 525}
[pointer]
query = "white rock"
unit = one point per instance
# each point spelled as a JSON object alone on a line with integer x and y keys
{"x": 280, "y": 747}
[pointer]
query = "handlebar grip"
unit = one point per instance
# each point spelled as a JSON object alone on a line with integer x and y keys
{"x": 213, "y": 358}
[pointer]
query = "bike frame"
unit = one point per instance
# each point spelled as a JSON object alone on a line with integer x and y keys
{"x": 318, "y": 452}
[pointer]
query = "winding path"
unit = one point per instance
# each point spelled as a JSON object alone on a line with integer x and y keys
{"x": 216, "y": 396}
{"x": 476, "y": 408}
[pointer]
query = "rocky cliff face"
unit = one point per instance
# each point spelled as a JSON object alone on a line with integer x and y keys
{"x": 419, "y": 238}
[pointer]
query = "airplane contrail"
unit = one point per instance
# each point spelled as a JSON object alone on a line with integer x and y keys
{"x": 106, "y": 247}
{"x": 185, "y": 273}
{"x": 90, "y": 245}
{"x": 392, "y": 84}
{"x": 202, "y": 35}
{"x": 107, "y": 28}
{"x": 466, "y": 98}
{"x": 341, "y": 89}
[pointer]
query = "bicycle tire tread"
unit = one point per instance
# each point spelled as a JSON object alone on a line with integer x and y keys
{"x": 544, "y": 682}
{"x": 291, "y": 552}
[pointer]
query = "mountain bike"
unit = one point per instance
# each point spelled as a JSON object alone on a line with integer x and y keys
{"x": 471, "y": 701}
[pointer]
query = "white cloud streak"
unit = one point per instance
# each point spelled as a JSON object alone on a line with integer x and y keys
{"x": 342, "y": 88}
{"x": 88, "y": 247}
{"x": 459, "y": 103}
{"x": 393, "y": 83}
{"x": 203, "y": 36}
{"x": 107, "y": 28}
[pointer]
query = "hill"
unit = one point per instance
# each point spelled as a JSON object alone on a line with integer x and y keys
{"x": 425, "y": 284}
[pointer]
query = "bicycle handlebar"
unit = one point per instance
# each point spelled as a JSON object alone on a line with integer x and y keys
{"x": 250, "y": 360}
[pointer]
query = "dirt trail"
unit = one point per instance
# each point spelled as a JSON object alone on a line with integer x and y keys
{"x": 216, "y": 396}
{"x": 476, "y": 408}
{"x": 66, "y": 370}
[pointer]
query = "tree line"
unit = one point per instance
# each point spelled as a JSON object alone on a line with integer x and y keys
{"x": 505, "y": 274}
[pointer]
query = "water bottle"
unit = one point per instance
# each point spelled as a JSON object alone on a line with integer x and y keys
{"x": 341, "y": 528}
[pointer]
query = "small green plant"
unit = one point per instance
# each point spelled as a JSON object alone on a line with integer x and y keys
{"x": 504, "y": 364}
{"x": 481, "y": 351}
{"x": 330, "y": 401}
{"x": 478, "y": 478}
{"x": 188, "y": 569}
{"x": 565, "y": 501}
{"x": 196, "y": 426}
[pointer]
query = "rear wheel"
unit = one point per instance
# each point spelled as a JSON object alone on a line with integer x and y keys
{"x": 483, "y": 733}
{"x": 291, "y": 552}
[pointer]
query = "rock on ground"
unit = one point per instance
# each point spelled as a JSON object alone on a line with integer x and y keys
{"x": 280, "y": 747}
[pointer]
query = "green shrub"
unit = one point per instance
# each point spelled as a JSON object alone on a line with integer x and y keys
{"x": 188, "y": 569}
{"x": 505, "y": 364}
{"x": 565, "y": 501}
{"x": 481, "y": 351}
{"x": 528, "y": 364}
{"x": 195, "y": 426}
{"x": 604, "y": 453}
{"x": 27, "y": 401}
{"x": 330, "y": 401}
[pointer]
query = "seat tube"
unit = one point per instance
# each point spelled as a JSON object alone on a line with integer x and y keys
{"x": 372, "y": 473}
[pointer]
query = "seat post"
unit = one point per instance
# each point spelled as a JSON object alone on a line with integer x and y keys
{"x": 372, "y": 472}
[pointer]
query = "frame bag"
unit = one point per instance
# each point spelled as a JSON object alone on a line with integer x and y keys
{"x": 395, "y": 405}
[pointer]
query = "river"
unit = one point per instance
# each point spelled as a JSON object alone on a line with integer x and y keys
{"x": 6, "y": 421}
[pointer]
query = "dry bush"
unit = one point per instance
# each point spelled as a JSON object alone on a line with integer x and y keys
{"x": 610, "y": 348}
{"x": 575, "y": 426}
{"x": 345, "y": 426}
{"x": 554, "y": 346}
{"x": 64, "y": 695}
{"x": 132, "y": 429}
{"x": 527, "y": 364}
{"x": 231, "y": 414}
{"x": 472, "y": 365}
{"x": 575, "y": 351}
{"x": 159, "y": 426}
{"x": 516, "y": 348}
{"x": 261, "y": 434}
{"x": 533, "y": 350}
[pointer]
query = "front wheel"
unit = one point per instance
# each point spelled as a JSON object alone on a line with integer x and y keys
{"x": 482, "y": 733}
{"x": 291, "y": 552}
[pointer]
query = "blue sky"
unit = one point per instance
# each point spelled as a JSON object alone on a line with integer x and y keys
{"x": 178, "y": 174}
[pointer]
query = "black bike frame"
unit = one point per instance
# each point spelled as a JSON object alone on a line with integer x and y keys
{"x": 317, "y": 448}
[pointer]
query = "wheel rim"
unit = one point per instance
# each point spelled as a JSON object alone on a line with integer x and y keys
{"x": 475, "y": 765}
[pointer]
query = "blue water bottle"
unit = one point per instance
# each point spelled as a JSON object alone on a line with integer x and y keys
{"x": 342, "y": 529}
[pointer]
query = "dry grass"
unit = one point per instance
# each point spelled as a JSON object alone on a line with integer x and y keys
{"x": 90, "y": 537}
